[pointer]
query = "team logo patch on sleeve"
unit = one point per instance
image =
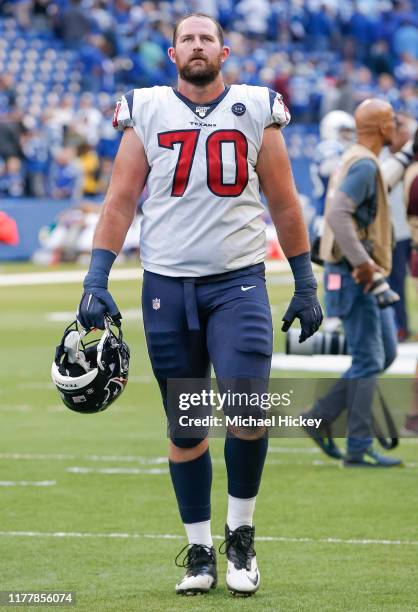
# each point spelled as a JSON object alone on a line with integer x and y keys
{"x": 238, "y": 108}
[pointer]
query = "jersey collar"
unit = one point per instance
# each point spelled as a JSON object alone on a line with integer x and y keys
{"x": 201, "y": 110}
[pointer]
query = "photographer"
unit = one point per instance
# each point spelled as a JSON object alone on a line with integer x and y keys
{"x": 357, "y": 250}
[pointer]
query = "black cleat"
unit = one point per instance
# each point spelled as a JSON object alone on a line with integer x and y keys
{"x": 201, "y": 575}
{"x": 242, "y": 576}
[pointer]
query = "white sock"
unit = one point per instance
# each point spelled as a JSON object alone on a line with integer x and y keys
{"x": 240, "y": 512}
{"x": 199, "y": 533}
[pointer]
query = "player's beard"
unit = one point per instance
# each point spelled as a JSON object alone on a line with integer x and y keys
{"x": 202, "y": 74}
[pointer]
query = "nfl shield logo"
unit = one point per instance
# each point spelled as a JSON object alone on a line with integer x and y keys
{"x": 156, "y": 303}
{"x": 202, "y": 110}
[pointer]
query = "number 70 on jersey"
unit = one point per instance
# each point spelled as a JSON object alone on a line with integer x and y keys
{"x": 188, "y": 139}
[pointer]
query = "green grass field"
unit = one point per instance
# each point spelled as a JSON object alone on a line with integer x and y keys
{"x": 331, "y": 539}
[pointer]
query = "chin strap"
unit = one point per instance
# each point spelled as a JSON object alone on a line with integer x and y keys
{"x": 72, "y": 349}
{"x": 100, "y": 346}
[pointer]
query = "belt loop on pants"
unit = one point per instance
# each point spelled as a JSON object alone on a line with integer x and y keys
{"x": 190, "y": 304}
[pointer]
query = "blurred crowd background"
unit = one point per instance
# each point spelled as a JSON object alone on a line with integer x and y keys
{"x": 63, "y": 64}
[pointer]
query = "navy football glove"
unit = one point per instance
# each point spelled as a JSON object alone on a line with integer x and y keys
{"x": 96, "y": 301}
{"x": 308, "y": 310}
{"x": 304, "y": 304}
{"x": 94, "y": 305}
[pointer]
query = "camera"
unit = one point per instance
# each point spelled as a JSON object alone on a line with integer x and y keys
{"x": 380, "y": 288}
{"x": 321, "y": 343}
{"x": 384, "y": 295}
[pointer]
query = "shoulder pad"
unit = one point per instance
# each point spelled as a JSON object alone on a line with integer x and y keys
{"x": 280, "y": 114}
{"x": 122, "y": 117}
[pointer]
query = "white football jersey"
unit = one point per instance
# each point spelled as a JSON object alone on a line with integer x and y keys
{"x": 203, "y": 214}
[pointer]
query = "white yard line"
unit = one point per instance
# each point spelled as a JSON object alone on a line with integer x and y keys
{"x": 116, "y": 470}
{"x": 32, "y": 456}
{"x": 171, "y": 536}
{"x": 63, "y": 277}
{"x": 27, "y": 483}
{"x": 65, "y": 457}
{"x": 161, "y": 460}
{"x": 128, "y": 458}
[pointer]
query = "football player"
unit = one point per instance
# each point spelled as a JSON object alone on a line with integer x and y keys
{"x": 204, "y": 150}
{"x": 337, "y": 132}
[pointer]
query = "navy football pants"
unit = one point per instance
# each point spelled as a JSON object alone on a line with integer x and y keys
{"x": 224, "y": 320}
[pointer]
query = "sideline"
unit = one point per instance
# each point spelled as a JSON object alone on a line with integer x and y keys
{"x": 405, "y": 362}
{"x": 77, "y": 276}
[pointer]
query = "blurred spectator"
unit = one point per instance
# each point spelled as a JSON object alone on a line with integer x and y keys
{"x": 231, "y": 73}
{"x": 363, "y": 87}
{"x": 87, "y": 120}
{"x": 319, "y": 28}
{"x": 7, "y": 96}
{"x": 10, "y": 118}
{"x": 71, "y": 237}
{"x": 73, "y": 24}
{"x": 255, "y": 14}
{"x": 93, "y": 54}
{"x": 10, "y": 140}
{"x": 3, "y": 180}
{"x": 22, "y": 11}
{"x": 66, "y": 178}
{"x": 405, "y": 39}
{"x": 14, "y": 178}
{"x": 41, "y": 15}
{"x": 61, "y": 241}
{"x": 36, "y": 154}
{"x": 90, "y": 164}
{"x": 387, "y": 90}
{"x": 102, "y": 18}
{"x": 109, "y": 138}
{"x": 407, "y": 69}
{"x": 409, "y": 99}
{"x": 380, "y": 61}
{"x": 361, "y": 32}
{"x": 58, "y": 116}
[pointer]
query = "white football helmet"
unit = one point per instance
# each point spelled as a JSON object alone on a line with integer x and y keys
{"x": 338, "y": 125}
{"x": 91, "y": 375}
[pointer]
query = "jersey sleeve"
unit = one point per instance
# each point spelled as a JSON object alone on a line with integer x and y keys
{"x": 279, "y": 113}
{"x": 122, "y": 117}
